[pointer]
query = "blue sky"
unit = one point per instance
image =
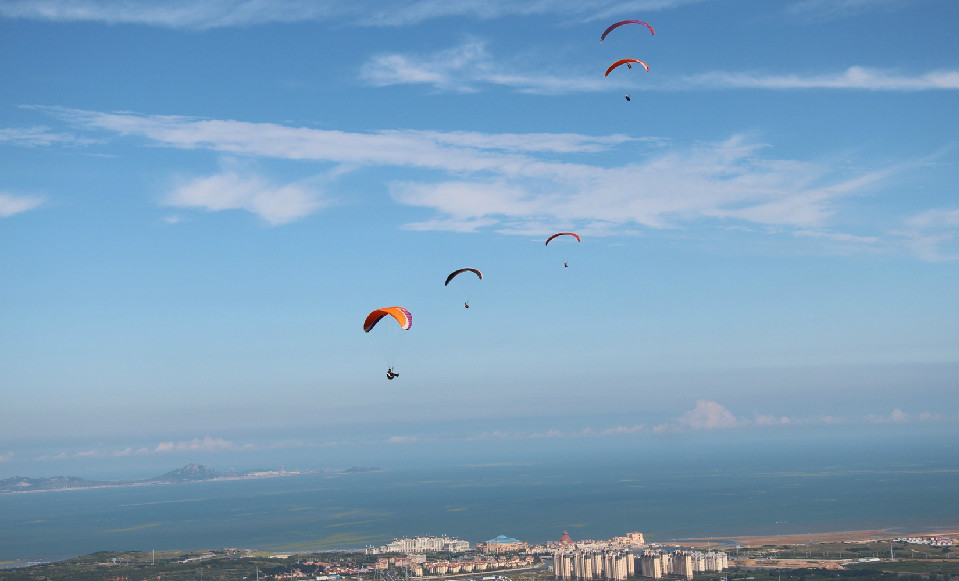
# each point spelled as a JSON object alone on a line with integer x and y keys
{"x": 200, "y": 203}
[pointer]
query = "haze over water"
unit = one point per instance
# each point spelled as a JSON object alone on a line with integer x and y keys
{"x": 706, "y": 491}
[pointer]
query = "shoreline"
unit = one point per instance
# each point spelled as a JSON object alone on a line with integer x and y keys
{"x": 724, "y": 543}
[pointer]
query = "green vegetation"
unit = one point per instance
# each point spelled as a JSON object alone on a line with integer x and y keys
{"x": 844, "y": 551}
{"x": 169, "y": 566}
{"x": 736, "y": 574}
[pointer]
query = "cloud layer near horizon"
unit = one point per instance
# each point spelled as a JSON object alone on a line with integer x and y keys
{"x": 707, "y": 415}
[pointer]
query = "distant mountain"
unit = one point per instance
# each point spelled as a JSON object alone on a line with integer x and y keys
{"x": 363, "y": 469}
{"x": 192, "y": 472}
{"x": 189, "y": 473}
{"x": 24, "y": 484}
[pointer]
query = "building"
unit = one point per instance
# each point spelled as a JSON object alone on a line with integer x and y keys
{"x": 634, "y": 539}
{"x": 502, "y": 544}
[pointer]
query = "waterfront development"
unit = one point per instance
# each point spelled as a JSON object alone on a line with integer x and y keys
{"x": 847, "y": 555}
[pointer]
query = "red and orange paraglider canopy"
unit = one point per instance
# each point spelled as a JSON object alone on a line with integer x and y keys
{"x": 402, "y": 316}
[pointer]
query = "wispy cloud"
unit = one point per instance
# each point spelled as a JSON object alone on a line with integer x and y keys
{"x": 820, "y": 9}
{"x": 276, "y": 204}
{"x": 470, "y": 67}
{"x": 932, "y": 235}
{"x": 39, "y": 136}
{"x": 711, "y": 415}
{"x": 853, "y": 78}
{"x": 11, "y": 204}
{"x": 233, "y": 13}
{"x": 6, "y": 456}
{"x": 897, "y": 416}
{"x": 513, "y": 183}
{"x": 206, "y": 444}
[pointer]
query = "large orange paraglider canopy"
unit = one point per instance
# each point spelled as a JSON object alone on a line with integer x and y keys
{"x": 402, "y": 316}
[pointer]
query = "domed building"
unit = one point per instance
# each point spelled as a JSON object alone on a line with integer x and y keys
{"x": 565, "y": 539}
{"x": 503, "y": 544}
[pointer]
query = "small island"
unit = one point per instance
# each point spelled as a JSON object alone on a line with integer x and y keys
{"x": 192, "y": 472}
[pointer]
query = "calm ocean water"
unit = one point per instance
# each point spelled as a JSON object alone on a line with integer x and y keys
{"x": 713, "y": 494}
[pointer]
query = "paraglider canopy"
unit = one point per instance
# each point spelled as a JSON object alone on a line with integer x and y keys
{"x": 402, "y": 316}
{"x": 460, "y": 271}
{"x": 625, "y": 62}
{"x": 618, "y": 24}
{"x": 574, "y": 235}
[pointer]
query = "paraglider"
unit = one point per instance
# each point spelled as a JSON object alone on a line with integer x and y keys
{"x": 627, "y": 98}
{"x": 402, "y": 316}
{"x": 618, "y": 24}
{"x": 627, "y": 63}
{"x": 455, "y": 273}
{"x": 573, "y": 234}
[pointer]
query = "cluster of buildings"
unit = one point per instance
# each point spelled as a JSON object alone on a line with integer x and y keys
{"x": 617, "y": 564}
{"x": 658, "y": 564}
{"x": 419, "y": 545}
{"x": 617, "y": 559}
{"x": 419, "y": 566}
{"x": 934, "y": 541}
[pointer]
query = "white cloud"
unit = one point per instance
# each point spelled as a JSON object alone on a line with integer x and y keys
{"x": 230, "y": 191}
{"x": 933, "y": 235}
{"x": 465, "y": 68}
{"x": 207, "y": 444}
{"x": 514, "y": 183}
{"x": 404, "y": 439}
{"x": 820, "y": 9}
{"x": 6, "y": 457}
{"x": 11, "y": 204}
{"x": 861, "y": 78}
{"x": 623, "y": 430}
{"x": 897, "y": 416}
{"x": 707, "y": 415}
{"x": 836, "y": 236}
{"x": 469, "y": 67}
{"x": 231, "y": 13}
{"x": 39, "y": 136}
{"x": 764, "y": 420}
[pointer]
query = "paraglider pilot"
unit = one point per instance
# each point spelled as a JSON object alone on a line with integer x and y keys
{"x": 466, "y": 304}
{"x": 390, "y": 374}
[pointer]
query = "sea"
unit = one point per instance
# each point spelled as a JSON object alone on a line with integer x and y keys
{"x": 717, "y": 492}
